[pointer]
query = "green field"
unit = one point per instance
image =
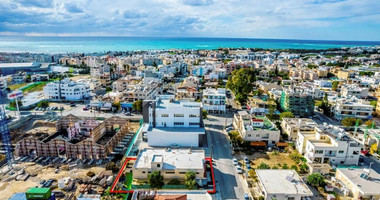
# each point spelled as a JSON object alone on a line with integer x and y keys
{"x": 17, "y": 86}
{"x": 38, "y": 86}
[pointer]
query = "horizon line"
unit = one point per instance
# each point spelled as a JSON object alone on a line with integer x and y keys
{"x": 199, "y": 37}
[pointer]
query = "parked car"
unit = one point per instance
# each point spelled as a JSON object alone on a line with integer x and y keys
{"x": 248, "y": 167}
{"x": 85, "y": 109}
{"x": 234, "y": 160}
{"x": 246, "y": 161}
{"x": 238, "y": 169}
{"x": 246, "y": 196}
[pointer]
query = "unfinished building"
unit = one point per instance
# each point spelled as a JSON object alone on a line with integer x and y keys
{"x": 78, "y": 138}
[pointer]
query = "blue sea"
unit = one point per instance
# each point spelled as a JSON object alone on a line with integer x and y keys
{"x": 102, "y": 44}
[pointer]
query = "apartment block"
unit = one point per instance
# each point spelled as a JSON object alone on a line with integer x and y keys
{"x": 351, "y": 107}
{"x": 297, "y": 101}
{"x": 214, "y": 100}
{"x": 66, "y": 90}
{"x": 256, "y": 129}
{"x": 172, "y": 122}
{"x": 353, "y": 90}
{"x": 328, "y": 145}
{"x": 291, "y": 126}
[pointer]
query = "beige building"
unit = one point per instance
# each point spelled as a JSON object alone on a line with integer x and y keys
{"x": 360, "y": 183}
{"x": 345, "y": 74}
{"x": 292, "y": 126}
{"x": 172, "y": 163}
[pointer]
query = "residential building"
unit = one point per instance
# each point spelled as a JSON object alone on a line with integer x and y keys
{"x": 189, "y": 93}
{"x": 297, "y": 101}
{"x": 350, "y": 107}
{"x": 141, "y": 91}
{"x": 282, "y": 184}
{"x": 291, "y": 126}
{"x": 3, "y": 83}
{"x": 256, "y": 129}
{"x": 328, "y": 144}
{"x": 66, "y": 90}
{"x": 172, "y": 163}
{"x": 260, "y": 107}
{"x": 345, "y": 74}
{"x": 214, "y": 100}
{"x": 359, "y": 183}
{"x": 173, "y": 122}
{"x": 348, "y": 90}
{"x": 39, "y": 77}
{"x": 19, "y": 77}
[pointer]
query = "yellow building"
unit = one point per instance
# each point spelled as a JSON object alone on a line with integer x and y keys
{"x": 345, "y": 74}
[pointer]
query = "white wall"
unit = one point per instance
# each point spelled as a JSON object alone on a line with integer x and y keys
{"x": 167, "y": 139}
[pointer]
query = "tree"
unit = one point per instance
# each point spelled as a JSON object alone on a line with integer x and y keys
{"x": 204, "y": 114}
{"x": 285, "y": 166}
{"x": 13, "y": 103}
{"x": 137, "y": 105}
{"x": 295, "y": 156}
{"x": 294, "y": 167}
{"x": 117, "y": 105}
{"x": 235, "y": 137}
{"x": 190, "y": 181}
{"x": 287, "y": 114}
{"x": 335, "y": 85}
{"x": 155, "y": 179}
{"x": 325, "y": 106}
{"x": 350, "y": 121}
{"x": 263, "y": 166}
{"x": 241, "y": 83}
{"x": 303, "y": 168}
{"x": 316, "y": 179}
{"x": 43, "y": 104}
{"x": 369, "y": 123}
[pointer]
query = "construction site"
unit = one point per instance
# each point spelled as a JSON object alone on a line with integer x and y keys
{"x": 78, "y": 138}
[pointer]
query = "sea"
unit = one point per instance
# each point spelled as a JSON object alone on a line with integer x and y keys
{"x": 34, "y": 44}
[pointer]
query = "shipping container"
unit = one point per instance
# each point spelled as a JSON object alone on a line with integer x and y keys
{"x": 38, "y": 194}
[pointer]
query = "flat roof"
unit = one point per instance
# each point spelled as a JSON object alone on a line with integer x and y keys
{"x": 173, "y": 159}
{"x": 366, "y": 187}
{"x": 29, "y": 64}
{"x": 177, "y": 130}
{"x": 280, "y": 181}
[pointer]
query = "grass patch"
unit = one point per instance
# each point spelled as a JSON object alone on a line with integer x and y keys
{"x": 273, "y": 160}
{"x": 17, "y": 86}
{"x": 38, "y": 86}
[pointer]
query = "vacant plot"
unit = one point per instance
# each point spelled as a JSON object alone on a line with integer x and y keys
{"x": 273, "y": 159}
{"x": 17, "y": 86}
{"x": 38, "y": 86}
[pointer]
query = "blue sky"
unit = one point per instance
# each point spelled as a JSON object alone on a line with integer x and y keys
{"x": 291, "y": 19}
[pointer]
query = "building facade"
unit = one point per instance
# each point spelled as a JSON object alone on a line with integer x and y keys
{"x": 214, "y": 100}
{"x": 66, "y": 90}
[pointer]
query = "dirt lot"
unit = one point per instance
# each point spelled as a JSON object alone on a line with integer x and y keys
{"x": 270, "y": 158}
{"x": 38, "y": 128}
{"x": 75, "y": 78}
{"x": 38, "y": 173}
{"x": 135, "y": 126}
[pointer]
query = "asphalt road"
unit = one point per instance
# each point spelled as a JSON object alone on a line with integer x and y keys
{"x": 227, "y": 181}
{"x": 375, "y": 162}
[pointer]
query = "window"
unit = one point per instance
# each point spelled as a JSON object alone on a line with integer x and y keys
{"x": 355, "y": 152}
{"x": 182, "y": 172}
{"x": 341, "y": 151}
{"x": 178, "y": 123}
{"x": 164, "y": 115}
{"x": 169, "y": 172}
{"x": 158, "y": 165}
{"x": 249, "y": 135}
{"x": 191, "y": 115}
{"x": 193, "y": 124}
{"x": 178, "y": 115}
{"x": 143, "y": 172}
{"x": 318, "y": 151}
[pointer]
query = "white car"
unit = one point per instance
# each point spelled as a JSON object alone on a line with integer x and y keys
{"x": 238, "y": 169}
{"x": 234, "y": 160}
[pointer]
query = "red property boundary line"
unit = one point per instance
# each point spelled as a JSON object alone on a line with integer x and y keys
{"x": 131, "y": 191}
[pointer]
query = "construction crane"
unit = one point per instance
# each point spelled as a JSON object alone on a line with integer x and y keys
{"x": 5, "y": 133}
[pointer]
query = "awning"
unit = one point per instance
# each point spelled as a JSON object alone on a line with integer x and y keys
{"x": 282, "y": 144}
{"x": 258, "y": 144}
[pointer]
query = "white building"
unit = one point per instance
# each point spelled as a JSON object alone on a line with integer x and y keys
{"x": 170, "y": 122}
{"x": 353, "y": 90}
{"x": 282, "y": 184}
{"x": 255, "y": 129}
{"x": 291, "y": 126}
{"x": 3, "y": 83}
{"x": 214, "y": 100}
{"x": 66, "y": 90}
{"x": 172, "y": 163}
{"x": 350, "y": 107}
{"x": 359, "y": 183}
{"x": 328, "y": 144}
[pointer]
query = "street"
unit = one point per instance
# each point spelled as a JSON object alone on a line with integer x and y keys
{"x": 225, "y": 174}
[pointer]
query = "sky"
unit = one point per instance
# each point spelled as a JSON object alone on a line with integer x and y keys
{"x": 277, "y": 19}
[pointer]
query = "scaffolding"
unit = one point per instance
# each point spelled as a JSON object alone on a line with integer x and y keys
{"x": 5, "y": 133}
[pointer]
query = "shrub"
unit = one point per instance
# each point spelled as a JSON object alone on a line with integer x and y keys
{"x": 90, "y": 174}
{"x": 190, "y": 181}
{"x": 174, "y": 182}
{"x": 263, "y": 166}
{"x": 155, "y": 179}
{"x": 316, "y": 179}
